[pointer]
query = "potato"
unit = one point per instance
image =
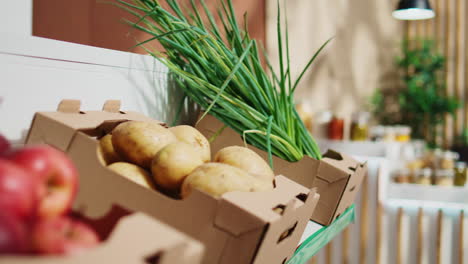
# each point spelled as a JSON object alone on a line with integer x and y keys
{"x": 106, "y": 151}
{"x": 246, "y": 159}
{"x": 173, "y": 164}
{"x": 133, "y": 172}
{"x": 138, "y": 142}
{"x": 193, "y": 137}
{"x": 217, "y": 179}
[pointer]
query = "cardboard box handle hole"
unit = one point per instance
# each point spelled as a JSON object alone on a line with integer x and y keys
{"x": 287, "y": 233}
{"x": 279, "y": 209}
{"x": 302, "y": 197}
{"x": 337, "y": 216}
{"x": 153, "y": 259}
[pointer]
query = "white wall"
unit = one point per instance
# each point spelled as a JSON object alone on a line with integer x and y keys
{"x": 16, "y": 17}
{"x": 37, "y": 73}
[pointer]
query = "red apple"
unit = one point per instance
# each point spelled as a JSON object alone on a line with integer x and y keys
{"x": 4, "y": 145}
{"x": 63, "y": 236}
{"x": 57, "y": 175}
{"x": 13, "y": 235}
{"x": 17, "y": 190}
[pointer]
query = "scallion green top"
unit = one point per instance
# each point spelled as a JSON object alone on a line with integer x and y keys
{"x": 221, "y": 70}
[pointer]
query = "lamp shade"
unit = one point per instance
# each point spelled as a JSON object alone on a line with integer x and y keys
{"x": 413, "y": 10}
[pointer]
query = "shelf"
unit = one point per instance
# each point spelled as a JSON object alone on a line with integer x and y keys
{"x": 317, "y": 236}
{"x": 447, "y": 197}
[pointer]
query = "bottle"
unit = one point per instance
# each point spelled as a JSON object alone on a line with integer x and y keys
{"x": 402, "y": 133}
{"x": 360, "y": 126}
{"x": 336, "y": 128}
{"x": 460, "y": 174}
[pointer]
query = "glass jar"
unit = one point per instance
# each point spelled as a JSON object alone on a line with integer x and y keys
{"x": 360, "y": 126}
{"x": 377, "y": 133}
{"x": 460, "y": 174}
{"x": 447, "y": 160}
{"x": 424, "y": 176}
{"x": 402, "y": 133}
{"x": 389, "y": 134}
{"x": 402, "y": 176}
{"x": 432, "y": 159}
{"x": 444, "y": 177}
{"x": 305, "y": 114}
{"x": 320, "y": 124}
{"x": 336, "y": 128}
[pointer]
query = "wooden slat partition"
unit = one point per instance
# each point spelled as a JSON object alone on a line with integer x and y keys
{"x": 440, "y": 218}
{"x": 364, "y": 220}
{"x": 458, "y": 87}
{"x": 329, "y": 253}
{"x": 420, "y": 246}
{"x": 378, "y": 242}
{"x": 437, "y": 19}
{"x": 447, "y": 31}
{"x": 345, "y": 246}
{"x": 400, "y": 236}
{"x": 461, "y": 238}
{"x": 313, "y": 260}
{"x": 465, "y": 62}
{"x": 378, "y": 219}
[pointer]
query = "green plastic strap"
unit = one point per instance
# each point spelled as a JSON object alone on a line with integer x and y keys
{"x": 320, "y": 239}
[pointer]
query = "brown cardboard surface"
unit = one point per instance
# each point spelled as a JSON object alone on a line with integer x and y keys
{"x": 336, "y": 176}
{"x": 134, "y": 238}
{"x": 237, "y": 228}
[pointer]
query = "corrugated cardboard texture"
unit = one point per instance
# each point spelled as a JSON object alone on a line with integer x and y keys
{"x": 236, "y": 228}
{"x": 337, "y": 177}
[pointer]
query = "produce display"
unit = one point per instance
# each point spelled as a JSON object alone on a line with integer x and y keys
{"x": 229, "y": 210}
{"x": 221, "y": 70}
{"x": 175, "y": 160}
{"x": 37, "y": 187}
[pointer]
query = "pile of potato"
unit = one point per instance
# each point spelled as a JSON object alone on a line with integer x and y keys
{"x": 178, "y": 159}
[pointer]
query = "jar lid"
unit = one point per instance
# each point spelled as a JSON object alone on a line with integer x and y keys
{"x": 361, "y": 117}
{"x": 460, "y": 165}
{"x": 377, "y": 130}
{"x": 323, "y": 116}
{"x": 402, "y": 172}
{"x": 445, "y": 173}
{"x": 389, "y": 130}
{"x": 426, "y": 173}
{"x": 403, "y": 130}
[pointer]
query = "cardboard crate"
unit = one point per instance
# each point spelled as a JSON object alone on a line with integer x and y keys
{"x": 238, "y": 227}
{"x": 135, "y": 238}
{"x": 337, "y": 177}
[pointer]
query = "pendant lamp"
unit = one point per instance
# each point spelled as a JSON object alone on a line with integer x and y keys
{"x": 413, "y": 10}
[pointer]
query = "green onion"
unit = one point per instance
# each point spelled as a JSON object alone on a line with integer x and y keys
{"x": 221, "y": 70}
